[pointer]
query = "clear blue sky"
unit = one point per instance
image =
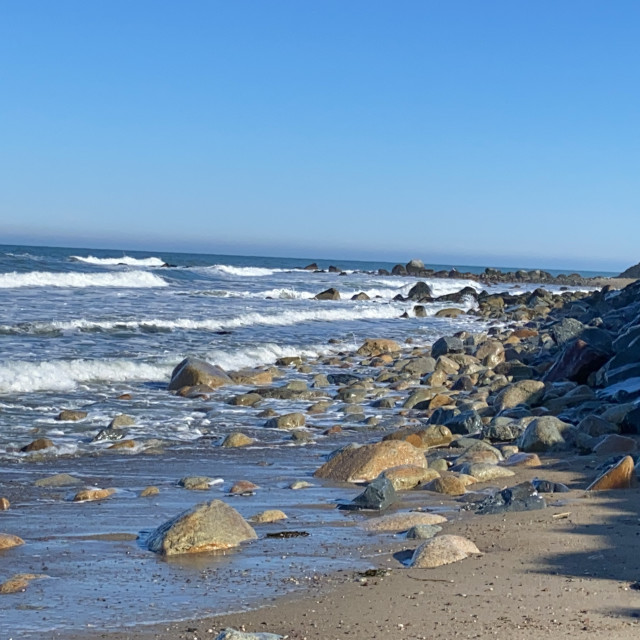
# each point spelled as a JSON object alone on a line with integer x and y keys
{"x": 476, "y": 132}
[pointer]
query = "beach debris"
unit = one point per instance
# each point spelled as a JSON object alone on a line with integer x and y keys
{"x": 365, "y": 463}
{"x": 288, "y": 534}
{"x": 232, "y": 634}
{"x": 209, "y": 526}
{"x": 378, "y": 495}
{"x": 441, "y": 550}
{"x": 8, "y": 541}
{"x": 521, "y": 497}
{"x": 621, "y": 476}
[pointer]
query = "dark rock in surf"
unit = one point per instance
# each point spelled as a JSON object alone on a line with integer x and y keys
{"x": 329, "y": 294}
{"x": 193, "y": 371}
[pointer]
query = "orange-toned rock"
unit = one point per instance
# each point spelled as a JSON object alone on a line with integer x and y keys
{"x": 7, "y": 541}
{"x": 440, "y": 400}
{"x": 522, "y": 460}
{"x": 448, "y": 484}
{"x": 38, "y": 445}
{"x": 19, "y": 582}
{"x": 525, "y": 333}
{"x": 250, "y": 377}
{"x": 376, "y": 347}
{"x": 332, "y": 430}
{"x": 147, "y": 492}
{"x": 4, "y": 504}
{"x": 409, "y": 476}
{"x": 622, "y": 476}
{"x": 89, "y": 495}
{"x": 243, "y": 486}
{"x": 123, "y": 444}
{"x": 363, "y": 464}
{"x": 434, "y": 435}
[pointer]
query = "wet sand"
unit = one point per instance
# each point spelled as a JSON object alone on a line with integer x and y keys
{"x": 562, "y": 572}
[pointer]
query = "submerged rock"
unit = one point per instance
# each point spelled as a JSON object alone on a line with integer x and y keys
{"x": 71, "y": 415}
{"x": 57, "y": 480}
{"x": 91, "y": 495}
{"x": 7, "y": 541}
{"x": 209, "y": 526}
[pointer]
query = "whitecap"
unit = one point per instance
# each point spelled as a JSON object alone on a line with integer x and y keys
{"x": 128, "y": 280}
{"x": 124, "y": 260}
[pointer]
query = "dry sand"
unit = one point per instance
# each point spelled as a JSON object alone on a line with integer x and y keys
{"x": 563, "y": 572}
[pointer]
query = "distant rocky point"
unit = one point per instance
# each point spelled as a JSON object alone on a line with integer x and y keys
{"x": 631, "y": 272}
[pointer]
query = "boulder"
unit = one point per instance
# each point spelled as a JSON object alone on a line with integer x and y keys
{"x": 270, "y": 515}
{"x": 38, "y": 445}
{"x": 121, "y": 421}
{"x": 545, "y": 433}
{"x": 423, "y": 531}
{"x": 251, "y": 377}
{"x": 443, "y": 550}
{"x": 210, "y": 526}
{"x": 373, "y": 347}
{"x": 149, "y": 492}
{"x": 196, "y": 483}
{"x": 193, "y": 371}
{"x": 414, "y": 266}
{"x": 91, "y": 495}
{"x": 446, "y": 345}
{"x": 484, "y": 472}
{"x": 527, "y": 392}
{"x": 521, "y": 497}
{"x": 613, "y": 444}
{"x": 237, "y": 439}
{"x": 57, "y": 480}
{"x": 419, "y": 291}
{"x": 365, "y": 463}
{"x": 243, "y": 488}
{"x": 409, "y": 476}
{"x": 435, "y": 435}
{"x": 595, "y": 426}
{"x": 448, "y": 484}
{"x": 621, "y": 476}
{"x": 19, "y": 582}
{"x": 328, "y": 294}
{"x": 71, "y": 415}
{"x": 377, "y": 496}
{"x": 577, "y": 362}
{"x": 522, "y": 460}
{"x": 287, "y": 421}
{"x": 402, "y": 521}
{"x": 7, "y": 541}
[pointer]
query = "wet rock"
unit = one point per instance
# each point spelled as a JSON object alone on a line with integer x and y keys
{"x": 450, "y": 312}
{"x": 423, "y": 531}
{"x": 91, "y": 495}
{"x": 4, "y": 504}
{"x": 378, "y": 495}
{"x": 196, "y": 483}
{"x": 57, "y": 480}
{"x": 448, "y": 484}
{"x": 120, "y": 421}
{"x": 251, "y": 377}
{"x": 442, "y": 550}
{"x": 296, "y": 485}
{"x": 8, "y": 541}
{"x": 527, "y": 392}
{"x": 342, "y": 378}
{"x": 408, "y": 476}
{"x": 363, "y": 464}
{"x": 71, "y": 415}
{"x": 420, "y": 291}
{"x": 37, "y": 445}
{"x": 270, "y": 515}
{"x": 19, "y": 582}
{"x": 631, "y": 421}
{"x": 420, "y": 366}
{"x": 288, "y": 361}
{"x": 503, "y": 429}
{"x": 232, "y": 634}
{"x": 149, "y": 492}
{"x": 193, "y": 371}
{"x": 360, "y": 296}
{"x": 464, "y": 423}
{"x": 246, "y": 400}
{"x": 328, "y": 294}
{"x": 621, "y": 476}
{"x": 566, "y": 330}
{"x": 123, "y": 444}
{"x": 287, "y": 421}
{"x": 447, "y": 345}
{"x": 544, "y": 434}
{"x": 209, "y": 526}
{"x": 373, "y": 347}
{"x": 615, "y": 444}
{"x": 243, "y": 488}
{"x": 237, "y": 439}
{"x": 402, "y": 521}
{"x": 521, "y": 497}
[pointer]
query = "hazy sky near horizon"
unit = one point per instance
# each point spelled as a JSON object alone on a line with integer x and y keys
{"x": 492, "y": 132}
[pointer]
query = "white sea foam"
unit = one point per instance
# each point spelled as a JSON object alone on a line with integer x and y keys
{"x": 285, "y": 318}
{"x": 63, "y": 375}
{"x": 124, "y": 260}
{"x": 128, "y": 280}
{"x": 260, "y": 355}
{"x": 243, "y": 272}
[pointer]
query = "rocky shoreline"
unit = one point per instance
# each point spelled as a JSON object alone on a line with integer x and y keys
{"x": 539, "y": 410}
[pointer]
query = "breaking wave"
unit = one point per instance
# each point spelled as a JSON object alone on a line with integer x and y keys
{"x": 126, "y": 280}
{"x": 124, "y": 260}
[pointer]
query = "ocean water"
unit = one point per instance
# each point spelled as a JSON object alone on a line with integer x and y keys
{"x": 80, "y": 327}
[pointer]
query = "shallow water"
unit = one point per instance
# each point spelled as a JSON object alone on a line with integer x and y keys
{"x": 80, "y": 328}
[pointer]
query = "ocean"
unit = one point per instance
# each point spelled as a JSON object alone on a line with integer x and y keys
{"x": 80, "y": 328}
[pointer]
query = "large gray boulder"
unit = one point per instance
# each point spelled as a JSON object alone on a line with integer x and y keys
{"x": 546, "y": 433}
{"x": 194, "y": 371}
{"x": 209, "y": 526}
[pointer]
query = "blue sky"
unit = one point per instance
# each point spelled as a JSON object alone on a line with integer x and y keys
{"x": 492, "y": 132}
